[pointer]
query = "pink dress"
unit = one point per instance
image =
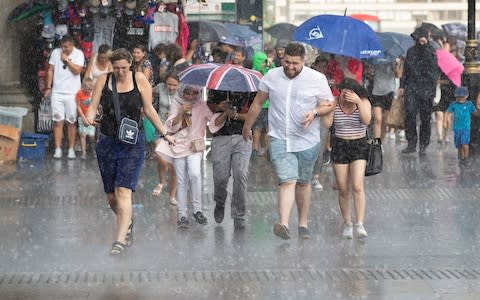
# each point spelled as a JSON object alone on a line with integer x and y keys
{"x": 201, "y": 115}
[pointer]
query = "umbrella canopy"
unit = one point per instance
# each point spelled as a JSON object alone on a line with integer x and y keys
{"x": 210, "y": 31}
{"x": 450, "y": 66}
{"x": 282, "y": 31}
{"x": 26, "y": 10}
{"x": 405, "y": 40}
{"x": 391, "y": 46}
{"x": 225, "y": 77}
{"x": 341, "y": 35}
{"x": 433, "y": 29}
{"x": 457, "y": 30}
{"x": 248, "y": 36}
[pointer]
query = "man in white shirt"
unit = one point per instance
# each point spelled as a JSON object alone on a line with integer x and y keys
{"x": 298, "y": 94}
{"x": 63, "y": 82}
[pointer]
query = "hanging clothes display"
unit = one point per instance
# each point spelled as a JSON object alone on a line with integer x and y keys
{"x": 183, "y": 30}
{"x": 129, "y": 31}
{"x": 104, "y": 27}
{"x": 117, "y": 23}
{"x": 163, "y": 30}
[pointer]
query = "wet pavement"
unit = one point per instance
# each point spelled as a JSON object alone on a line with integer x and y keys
{"x": 422, "y": 218}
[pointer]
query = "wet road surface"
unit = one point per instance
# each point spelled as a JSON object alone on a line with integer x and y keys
{"x": 422, "y": 218}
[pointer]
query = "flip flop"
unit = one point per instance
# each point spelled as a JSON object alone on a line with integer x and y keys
{"x": 157, "y": 190}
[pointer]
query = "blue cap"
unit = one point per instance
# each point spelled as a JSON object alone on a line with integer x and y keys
{"x": 461, "y": 91}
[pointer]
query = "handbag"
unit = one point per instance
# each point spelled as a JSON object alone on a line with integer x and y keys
{"x": 375, "y": 157}
{"x": 127, "y": 128}
{"x": 396, "y": 115}
{"x": 198, "y": 145}
{"x": 44, "y": 116}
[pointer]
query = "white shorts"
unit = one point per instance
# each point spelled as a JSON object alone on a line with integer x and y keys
{"x": 64, "y": 107}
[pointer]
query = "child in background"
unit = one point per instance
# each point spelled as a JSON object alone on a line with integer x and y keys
{"x": 84, "y": 98}
{"x": 460, "y": 111}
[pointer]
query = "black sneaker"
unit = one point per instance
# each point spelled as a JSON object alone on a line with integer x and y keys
{"x": 409, "y": 150}
{"x": 200, "y": 218}
{"x": 423, "y": 150}
{"x": 218, "y": 213}
{"x": 182, "y": 223}
{"x": 303, "y": 233}
{"x": 239, "y": 224}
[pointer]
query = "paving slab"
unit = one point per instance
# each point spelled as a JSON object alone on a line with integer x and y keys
{"x": 422, "y": 218}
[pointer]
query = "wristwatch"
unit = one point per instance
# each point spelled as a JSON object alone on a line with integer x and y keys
{"x": 315, "y": 114}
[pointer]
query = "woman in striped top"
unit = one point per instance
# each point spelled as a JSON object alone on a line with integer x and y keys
{"x": 350, "y": 118}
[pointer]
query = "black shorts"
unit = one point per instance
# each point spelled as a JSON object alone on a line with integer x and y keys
{"x": 384, "y": 101}
{"x": 348, "y": 151}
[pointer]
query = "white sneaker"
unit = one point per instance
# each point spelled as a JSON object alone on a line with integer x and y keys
{"x": 348, "y": 231}
{"x": 401, "y": 135}
{"x": 172, "y": 201}
{"x": 316, "y": 184}
{"x": 391, "y": 136}
{"x": 58, "y": 153}
{"x": 360, "y": 231}
{"x": 71, "y": 154}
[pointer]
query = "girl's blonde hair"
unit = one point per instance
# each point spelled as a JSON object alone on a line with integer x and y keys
{"x": 87, "y": 83}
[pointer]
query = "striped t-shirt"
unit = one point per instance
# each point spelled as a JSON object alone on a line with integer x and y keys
{"x": 347, "y": 125}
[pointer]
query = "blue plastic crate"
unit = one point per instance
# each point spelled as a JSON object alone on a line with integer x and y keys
{"x": 32, "y": 146}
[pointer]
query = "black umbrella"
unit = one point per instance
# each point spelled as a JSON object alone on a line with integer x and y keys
{"x": 405, "y": 40}
{"x": 391, "y": 47}
{"x": 458, "y": 30}
{"x": 210, "y": 31}
{"x": 435, "y": 32}
{"x": 282, "y": 31}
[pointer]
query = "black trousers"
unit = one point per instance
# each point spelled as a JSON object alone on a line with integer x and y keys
{"x": 418, "y": 104}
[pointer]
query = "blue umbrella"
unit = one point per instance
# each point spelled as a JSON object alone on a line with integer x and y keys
{"x": 341, "y": 35}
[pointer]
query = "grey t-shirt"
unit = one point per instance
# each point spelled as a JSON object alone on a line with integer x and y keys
{"x": 384, "y": 79}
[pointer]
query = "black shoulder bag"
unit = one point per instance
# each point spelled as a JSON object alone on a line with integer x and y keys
{"x": 375, "y": 156}
{"x": 127, "y": 128}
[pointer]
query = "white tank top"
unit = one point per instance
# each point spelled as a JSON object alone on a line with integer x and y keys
{"x": 96, "y": 72}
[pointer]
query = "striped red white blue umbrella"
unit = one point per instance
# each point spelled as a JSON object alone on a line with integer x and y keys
{"x": 224, "y": 77}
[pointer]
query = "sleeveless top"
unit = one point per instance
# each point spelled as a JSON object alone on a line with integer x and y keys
{"x": 130, "y": 106}
{"x": 347, "y": 125}
{"x": 95, "y": 72}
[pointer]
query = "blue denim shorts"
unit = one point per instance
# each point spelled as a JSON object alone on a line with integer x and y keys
{"x": 290, "y": 166}
{"x": 461, "y": 137}
{"x": 120, "y": 163}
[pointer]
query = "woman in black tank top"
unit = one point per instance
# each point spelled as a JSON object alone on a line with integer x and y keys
{"x": 120, "y": 163}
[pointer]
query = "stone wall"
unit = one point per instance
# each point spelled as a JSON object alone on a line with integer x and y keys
{"x": 11, "y": 91}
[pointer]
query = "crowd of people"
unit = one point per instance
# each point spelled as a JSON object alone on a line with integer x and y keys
{"x": 298, "y": 113}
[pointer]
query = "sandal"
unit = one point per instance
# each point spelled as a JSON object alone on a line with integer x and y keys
{"x": 118, "y": 248}
{"x": 129, "y": 236}
{"x": 157, "y": 190}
